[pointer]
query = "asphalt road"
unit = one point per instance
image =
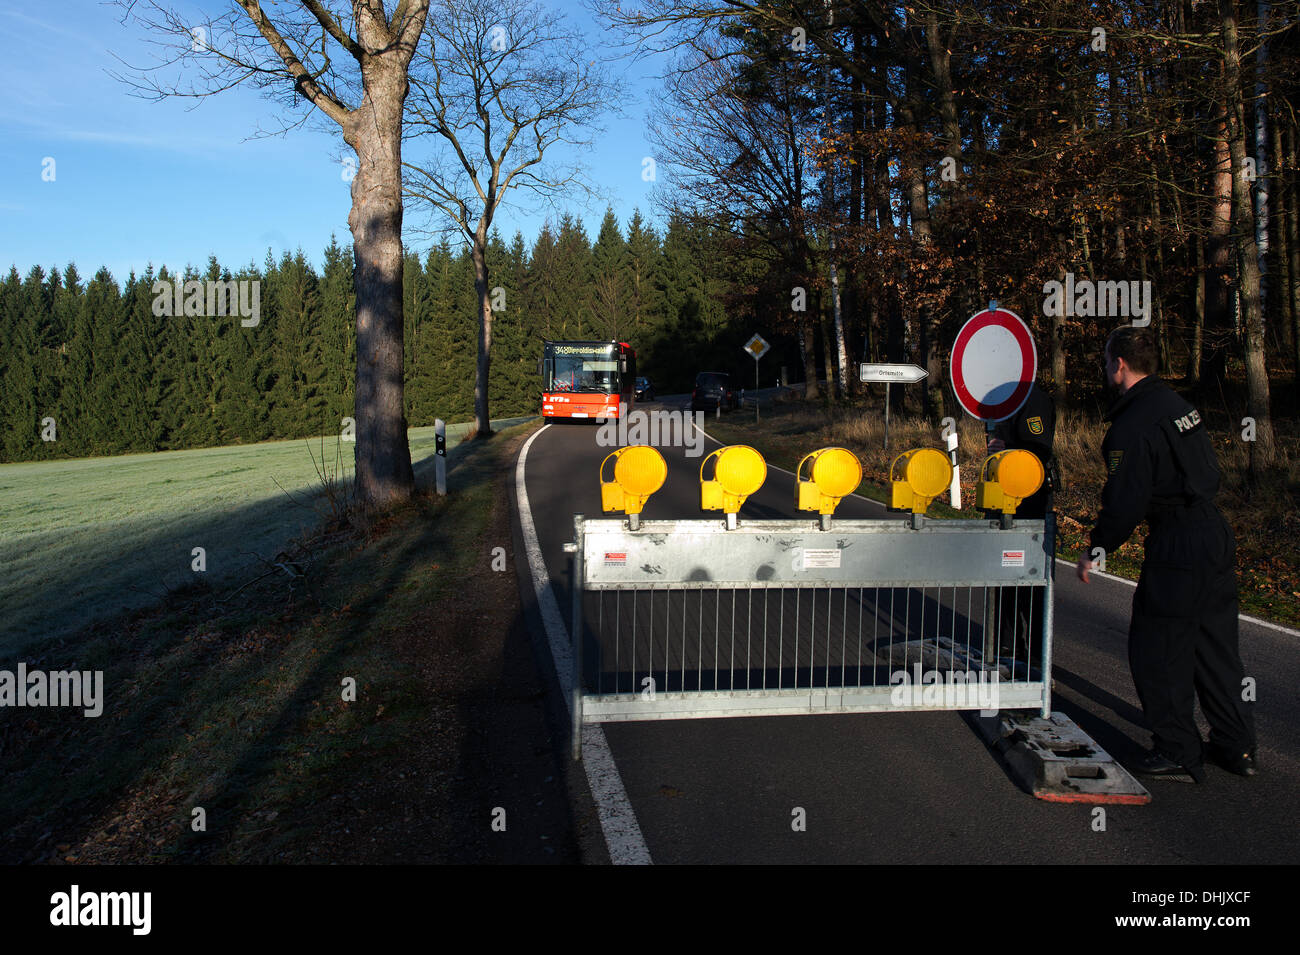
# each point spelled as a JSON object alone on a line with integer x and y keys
{"x": 919, "y": 787}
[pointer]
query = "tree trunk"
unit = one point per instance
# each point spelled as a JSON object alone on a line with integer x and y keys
{"x": 1285, "y": 278}
{"x": 811, "y": 390}
{"x": 1217, "y": 328}
{"x": 1195, "y": 353}
{"x": 1261, "y": 154}
{"x": 1257, "y": 401}
{"x": 1293, "y": 243}
{"x": 374, "y": 131}
{"x": 828, "y": 355}
{"x": 919, "y": 216}
{"x": 1293, "y": 240}
{"x": 853, "y": 281}
{"x": 941, "y": 67}
{"x": 1057, "y": 354}
{"x": 478, "y": 255}
{"x": 895, "y": 345}
{"x": 841, "y": 351}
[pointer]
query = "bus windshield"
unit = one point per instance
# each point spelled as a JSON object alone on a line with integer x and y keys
{"x": 583, "y": 368}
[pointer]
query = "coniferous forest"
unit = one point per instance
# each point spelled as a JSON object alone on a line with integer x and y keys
{"x": 90, "y": 353}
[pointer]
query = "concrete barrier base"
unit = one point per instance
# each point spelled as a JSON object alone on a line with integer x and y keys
{"x": 1055, "y": 760}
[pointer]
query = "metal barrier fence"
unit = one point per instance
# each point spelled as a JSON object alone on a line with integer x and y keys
{"x": 687, "y": 619}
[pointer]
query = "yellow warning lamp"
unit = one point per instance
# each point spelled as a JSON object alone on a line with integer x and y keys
{"x": 738, "y": 473}
{"x": 1007, "y": 479}
{"x": 918, "y": 477}
{"x": 639, "y": 471}
{"x": 834, "y": 472}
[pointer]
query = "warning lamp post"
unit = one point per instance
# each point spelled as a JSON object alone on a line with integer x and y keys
{"x": 917, "y": 478}
{"x": 639, "y": 471}
{"x": 738, "y": 472}
{"x": 833, "y": 474}
{"x": 1006, "y": 479}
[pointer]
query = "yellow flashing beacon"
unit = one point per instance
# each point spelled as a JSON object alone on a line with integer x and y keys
{"x": 917, "y": 477}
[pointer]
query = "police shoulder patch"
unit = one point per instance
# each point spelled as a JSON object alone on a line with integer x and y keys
{"x": 1035, "y": 425}
{"x": 1188, "y": 422}
{"x": 1113, "y": 459}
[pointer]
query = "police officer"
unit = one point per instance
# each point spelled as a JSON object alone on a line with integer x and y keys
{"x": 1183, "y": 634}
{"x": 1032, "y": 428}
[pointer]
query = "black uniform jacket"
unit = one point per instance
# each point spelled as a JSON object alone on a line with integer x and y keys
{"x": 1159, "y": 458}
{"x": 1033, "y": 427}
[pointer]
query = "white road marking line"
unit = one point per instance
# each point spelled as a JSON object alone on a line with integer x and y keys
{"x": 1123, "y": 580}
{"x": 792, "y": 474}
{"x": 1268, "y": 624}
{"x": 618, "y": 822}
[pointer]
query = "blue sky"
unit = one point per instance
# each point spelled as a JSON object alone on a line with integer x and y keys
{"x": 173, "y": 182}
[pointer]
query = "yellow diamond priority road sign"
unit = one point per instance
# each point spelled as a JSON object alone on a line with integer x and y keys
{"x": 757, "y": 347}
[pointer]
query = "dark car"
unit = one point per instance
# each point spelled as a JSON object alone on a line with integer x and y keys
{"x": 645, "y": 391}
{"x": 713, "y": 391}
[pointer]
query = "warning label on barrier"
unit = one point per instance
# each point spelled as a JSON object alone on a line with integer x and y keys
{"x": 1013, "y": 558}
{"x": 821, "y": 557}
{"x": 615, "y": 559}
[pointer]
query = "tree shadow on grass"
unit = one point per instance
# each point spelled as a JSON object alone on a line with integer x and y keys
{"x": 71, "y": 773}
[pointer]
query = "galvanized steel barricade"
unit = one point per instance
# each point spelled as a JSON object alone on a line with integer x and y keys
{"x": 688, "y": 619}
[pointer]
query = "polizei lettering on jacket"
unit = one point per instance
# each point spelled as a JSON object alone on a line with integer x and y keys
{"x": 1188, "y": 421}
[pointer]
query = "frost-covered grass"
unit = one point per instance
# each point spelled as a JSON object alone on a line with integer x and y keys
{"x": 88, "y": 538}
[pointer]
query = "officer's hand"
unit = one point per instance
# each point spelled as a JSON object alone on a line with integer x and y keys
{"x": 1084, "y": 565}
{"x": 996, "y": 445}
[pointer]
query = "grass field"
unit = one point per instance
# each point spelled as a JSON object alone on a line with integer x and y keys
{"x": 88, "y": 538}
{"x": 239, "y": 707}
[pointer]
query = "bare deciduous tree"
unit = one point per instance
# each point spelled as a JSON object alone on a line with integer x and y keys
{"x": 288, "y": 55}
{"x": 494, "y": 86}
{"x": 735, "y": 156}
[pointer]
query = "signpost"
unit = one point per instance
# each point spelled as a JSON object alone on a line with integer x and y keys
{"x": 901, "y": 374}
{"x": 905, "y": 374}
{"x": 758, "y": 347}
{"x": 993, "y": 366}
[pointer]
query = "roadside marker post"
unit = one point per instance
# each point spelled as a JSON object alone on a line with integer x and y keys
{"x": 440, "y": 455}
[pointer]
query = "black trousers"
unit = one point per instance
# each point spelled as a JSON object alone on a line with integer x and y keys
{"x": 1183, "y": 636}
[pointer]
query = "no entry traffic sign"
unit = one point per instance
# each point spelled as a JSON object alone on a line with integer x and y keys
{"x": 993, "y": 364}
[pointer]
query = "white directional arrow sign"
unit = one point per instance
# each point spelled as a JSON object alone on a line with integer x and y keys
{"x": 905, "y": 374}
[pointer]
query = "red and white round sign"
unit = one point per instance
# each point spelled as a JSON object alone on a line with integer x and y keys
{"x": 993, "y": 364}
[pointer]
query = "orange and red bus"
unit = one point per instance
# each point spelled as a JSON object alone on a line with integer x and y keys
{"x": 586, "y": 379}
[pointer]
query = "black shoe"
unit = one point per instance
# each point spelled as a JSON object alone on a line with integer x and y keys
{"x": 1156, "y": 763}
{"x": 1243, "y": 764}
